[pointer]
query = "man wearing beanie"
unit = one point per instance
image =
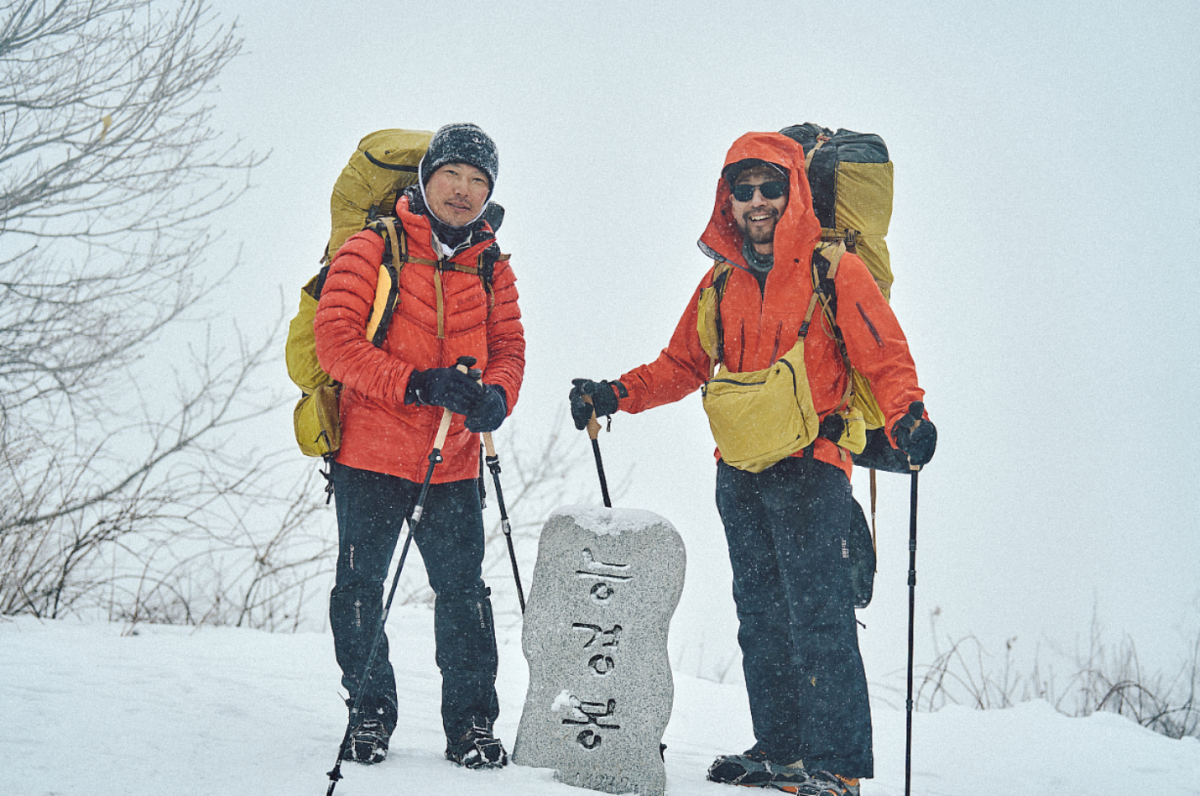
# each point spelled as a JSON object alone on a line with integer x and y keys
{"x": 457, "y": 298}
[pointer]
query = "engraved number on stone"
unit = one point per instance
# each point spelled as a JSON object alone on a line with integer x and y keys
{"x": 602, "y": 593}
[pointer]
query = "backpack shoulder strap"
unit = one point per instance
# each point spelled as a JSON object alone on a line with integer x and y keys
{"x": 317, "y": 283}
{"x": 387, "y": 287}
{"x": 486, "y": 266}
{"x": 825, "y": 261}
{"x": 709, "y": 323}
{"x": 720, "y": 283}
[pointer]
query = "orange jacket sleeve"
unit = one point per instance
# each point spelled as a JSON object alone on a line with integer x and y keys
{"x": 678, "y": 371}
{"x": 342, "y": 347}
{"x": 874, "y": 340}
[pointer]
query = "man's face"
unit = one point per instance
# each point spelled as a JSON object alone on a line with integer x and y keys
{"x": 757, "y": 216}
{"x": 456, "y": 193}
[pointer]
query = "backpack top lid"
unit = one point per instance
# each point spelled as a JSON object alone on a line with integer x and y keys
{"x": 384, "y": 164}
{"x": 850, "y": 177}
{"x": 852, "y": 147}
{"x": 844, "y": 146}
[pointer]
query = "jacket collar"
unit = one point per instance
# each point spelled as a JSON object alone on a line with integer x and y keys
{"x": 420, "y": 234}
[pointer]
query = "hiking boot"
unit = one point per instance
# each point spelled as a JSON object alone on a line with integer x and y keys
{"x": 367, "y": 743}
{"x": 477, "y": 748}
{"x": 754, "y": 769}
{"x": 823, "y": 783}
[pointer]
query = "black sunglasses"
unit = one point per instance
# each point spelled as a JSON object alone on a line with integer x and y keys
{"x": 770, "y": 190}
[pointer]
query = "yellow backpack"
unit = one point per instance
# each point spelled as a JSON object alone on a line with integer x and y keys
{"x": 850, "y": 175}
{"x": 364, "y": 195}
{"x": 316, "y": 418}
{"x": 384, "y": 164}
{"x": 850, "y": 178}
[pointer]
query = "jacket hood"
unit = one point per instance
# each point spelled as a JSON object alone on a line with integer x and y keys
{"x": 798, "y": 230}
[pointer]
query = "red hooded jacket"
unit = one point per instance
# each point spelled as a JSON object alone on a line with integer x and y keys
{"x": 379, "y": 431}
{"x": 760, "y": 326}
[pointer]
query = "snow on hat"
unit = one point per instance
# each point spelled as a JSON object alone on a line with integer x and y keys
{"x": 734, "y": 170}
{"x": 461, "y": 143}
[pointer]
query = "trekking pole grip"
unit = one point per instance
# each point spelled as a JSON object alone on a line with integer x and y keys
{"x": 464, "y": 365}
{"x": 442, "y": 432}
{"x": 593, "y": 425}
{"x": 916, "y": 410}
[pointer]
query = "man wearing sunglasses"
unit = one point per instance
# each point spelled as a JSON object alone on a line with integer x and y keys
{"x": 785, "y": 525}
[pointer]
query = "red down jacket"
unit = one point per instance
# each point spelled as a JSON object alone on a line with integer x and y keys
{"x": 759, "y": 327}
{"x": 379, "y": 432}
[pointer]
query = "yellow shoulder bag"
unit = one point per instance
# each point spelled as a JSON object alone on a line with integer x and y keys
{"x": 759, "y": 417}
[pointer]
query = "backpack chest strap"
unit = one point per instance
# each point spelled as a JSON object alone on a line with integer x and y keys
{"x": 482, "y": 269}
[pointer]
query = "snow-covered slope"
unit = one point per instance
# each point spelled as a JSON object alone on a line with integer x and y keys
{"x": 170, "y": 711}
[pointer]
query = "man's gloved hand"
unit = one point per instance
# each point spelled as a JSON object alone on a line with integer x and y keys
{"x": 604, "y": 399}
{"x": 832, "y": 427}
{"x": 489, "y": 412}
{"x": 915, "y": 436}
{"x": 448, "y": 387}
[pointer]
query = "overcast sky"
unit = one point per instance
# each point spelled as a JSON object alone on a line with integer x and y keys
{"x": 1044, "y": 241}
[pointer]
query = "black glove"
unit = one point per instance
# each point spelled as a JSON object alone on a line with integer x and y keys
{"x": 489, "y": 411}
{"x": 832, "y": 427}
{"x": 915, "y": 436}
{"x": 604, "y": 399}
{"x": 448, "y": 387}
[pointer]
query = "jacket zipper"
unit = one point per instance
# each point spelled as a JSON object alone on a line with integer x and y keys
{"x": 775, "y": 348}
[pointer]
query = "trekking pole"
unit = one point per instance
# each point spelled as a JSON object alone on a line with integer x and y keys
{"x": 912, "y": 602}
{"x": 493, "y": 463}
{"x": 435, "y": 458}
{"x": 593, "y": 429}
{"x": 916, "y": 410}
{"x": 482, "y": 484}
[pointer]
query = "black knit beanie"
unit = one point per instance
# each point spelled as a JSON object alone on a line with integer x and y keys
{"x": 461, "y": 143}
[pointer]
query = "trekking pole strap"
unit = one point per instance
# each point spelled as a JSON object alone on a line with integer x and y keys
{"x": 493, "y": 463}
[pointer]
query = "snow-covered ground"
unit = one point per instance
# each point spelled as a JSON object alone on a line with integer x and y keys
{"x": 172, "y": 711}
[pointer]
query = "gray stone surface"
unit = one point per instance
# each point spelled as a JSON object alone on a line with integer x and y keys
{"x": 600, "y": 691}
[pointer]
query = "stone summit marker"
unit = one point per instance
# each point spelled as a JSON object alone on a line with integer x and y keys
{"x": 600, "y": 691}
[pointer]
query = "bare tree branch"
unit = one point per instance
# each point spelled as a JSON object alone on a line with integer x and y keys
{"x": 112, "y": 487}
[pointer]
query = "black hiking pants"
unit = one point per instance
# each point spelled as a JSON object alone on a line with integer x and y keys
{"x": 795, "y": 606}
{"x": 371, "y": 509}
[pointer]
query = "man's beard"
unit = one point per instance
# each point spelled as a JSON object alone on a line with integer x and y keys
{"x": 761, "y": 235}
